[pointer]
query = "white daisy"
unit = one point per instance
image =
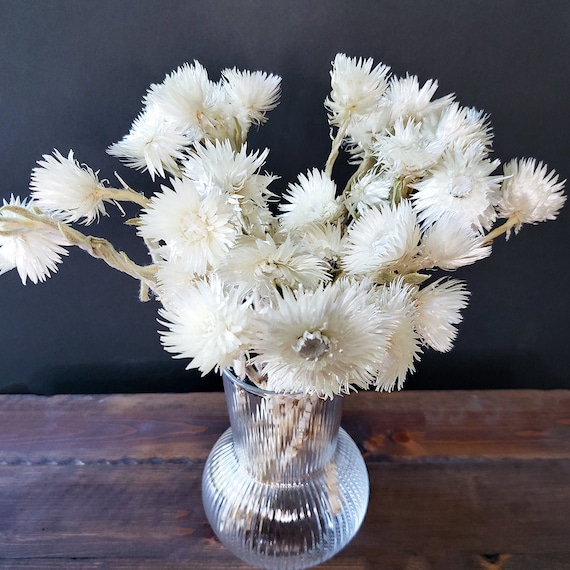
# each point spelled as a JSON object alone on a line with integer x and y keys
{"x": 326, "y": 241}
{"x": 34, "y": 250}
{"x": 312, "y": 200}
{"x": 381, "y": 239}
{"x": 262, "y": 266}
{"x": 153, "y": 143}
{"x": 192, "y": 229}
{"x": 356, "y": 88}
{"x": 251, "y": 95}
{"x": 460, "y": 183}
{"x": 188, "y": 98}
{"x": 209, "y": 324}
{"x": 61, "y": 184}
{"x": 439, "y": 307}
{"x": 325, "y": 341}
{"x": 451, "y": 243}
{"x": 530, "y": 194}
{"x": 399, "y": 311}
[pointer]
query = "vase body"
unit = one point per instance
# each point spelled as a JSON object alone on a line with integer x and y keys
{"x": 284, "y": 487}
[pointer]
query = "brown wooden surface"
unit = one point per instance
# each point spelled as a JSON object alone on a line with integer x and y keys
{"x": 459, "y": 480}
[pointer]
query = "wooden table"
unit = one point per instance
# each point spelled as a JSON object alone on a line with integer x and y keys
{"x": 459, "y": 481}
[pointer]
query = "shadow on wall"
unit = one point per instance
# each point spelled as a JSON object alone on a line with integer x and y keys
{"x": 458, "y": 370}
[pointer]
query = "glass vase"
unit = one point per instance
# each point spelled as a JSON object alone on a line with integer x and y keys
{"x": 285, "y": 487}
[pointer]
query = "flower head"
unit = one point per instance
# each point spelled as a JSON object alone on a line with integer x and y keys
{"x": 312, "y": 200}
{"x": 251, "y": 95}
{"x": 462, "y": 184}
{"x": 31, "y": 248}
{"x": 382, "y": 238}
{"x": 530, "y": 194}
{"x": 153, "y": 143}
{"x": 190, "y": 228}
{"x": 325, "y": 341}
{"x": 209, "y": 323}
{"x": 190, "y": 100}
{"x": 356, "y": 88}
{"x": 62, "y": 185}
{"x": 439, "y": 308}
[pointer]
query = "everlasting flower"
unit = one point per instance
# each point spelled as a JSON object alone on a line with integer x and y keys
{"x": 397, "y": 307}
{"x": 153, "y": 143}
{"x": 462, "y": 184}
{"x": 406, "y": 151}
{"x": 192, "y": 230}
{"x": 438, "y": 311}
{"x": 370, "y": 190}
{"x": 407, "y": 100}
{"x": 312, "y": 200}
{"x": 356, "y": 88}
{"x": 325, "y": 341}
{"x": 189, "y": 99}
{"x": 209, "y": 324}
{"x": 34, "y": 250}
{"x": 62, "y": 185}
{"x": 251, "y": 95}
{"x": 451, "y": 242}
{"x": 234, "y": 172}
{"x": 382, "y": 238}
{"x": 530, "y": 194}
{"x": 262, "y": 266}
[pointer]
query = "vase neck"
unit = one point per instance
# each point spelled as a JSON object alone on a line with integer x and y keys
{"x": 281, "y": 437}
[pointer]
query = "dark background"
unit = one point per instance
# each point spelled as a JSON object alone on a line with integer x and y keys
{"x": 72, "y": 74}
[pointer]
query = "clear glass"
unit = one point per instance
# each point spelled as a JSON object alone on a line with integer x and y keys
{"x": 285, "y": 487}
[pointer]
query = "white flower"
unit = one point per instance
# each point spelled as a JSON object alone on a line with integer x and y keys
{"x": 462, "y": 184}
{"x": 312, "y": 200}
{"x": 235, "y": 172}
{"x": 262, "y": 266}
{"x": 407, "y": 100}
{"x": 326, "y": 241}
{"x": 191, "y": 229}
{"x": 438, "y": 310}
{"x": 397, "y": 307}
{"x": 530, "y": 194}
{"x": 382, "y": 238}
{"x": 370, "y": 190}
{"x": 188, "y": 98}
{"x": 451, "y": 243}
{"x": 406, "y": 151}
{"x": 153, "y": 143}
{"x": 209, "y": 324}
{"x": 356, "y": 88}
{"x": 325, "y": 341}
{"x": 251, "y": 94}
{"x": 454, "y": 125}
{"x": 62, "y": 185}
{"x": 33, "y": 250}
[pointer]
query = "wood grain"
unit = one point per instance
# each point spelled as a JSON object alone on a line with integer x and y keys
{"x": 459, "y": 480}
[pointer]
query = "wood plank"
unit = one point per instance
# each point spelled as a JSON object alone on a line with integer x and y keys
{"x": 459, "y": 481}
{"x": 493, "y": 424}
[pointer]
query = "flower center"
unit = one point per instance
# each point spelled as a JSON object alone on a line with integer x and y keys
{"x": 312, "y": 345}
{"x": 461, "y": 186}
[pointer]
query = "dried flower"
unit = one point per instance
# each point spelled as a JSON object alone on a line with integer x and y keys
{"x": 328, "y": 290}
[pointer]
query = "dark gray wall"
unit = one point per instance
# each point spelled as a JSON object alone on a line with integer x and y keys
{"x": 72, "y": 74}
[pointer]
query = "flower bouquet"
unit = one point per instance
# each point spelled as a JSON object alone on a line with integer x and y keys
{"x": 318, "y": 291}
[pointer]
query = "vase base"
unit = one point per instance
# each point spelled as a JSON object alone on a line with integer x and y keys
{"x": 285, "y": 526}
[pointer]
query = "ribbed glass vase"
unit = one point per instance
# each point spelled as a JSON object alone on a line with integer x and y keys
{"x": 285, "y": 487}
